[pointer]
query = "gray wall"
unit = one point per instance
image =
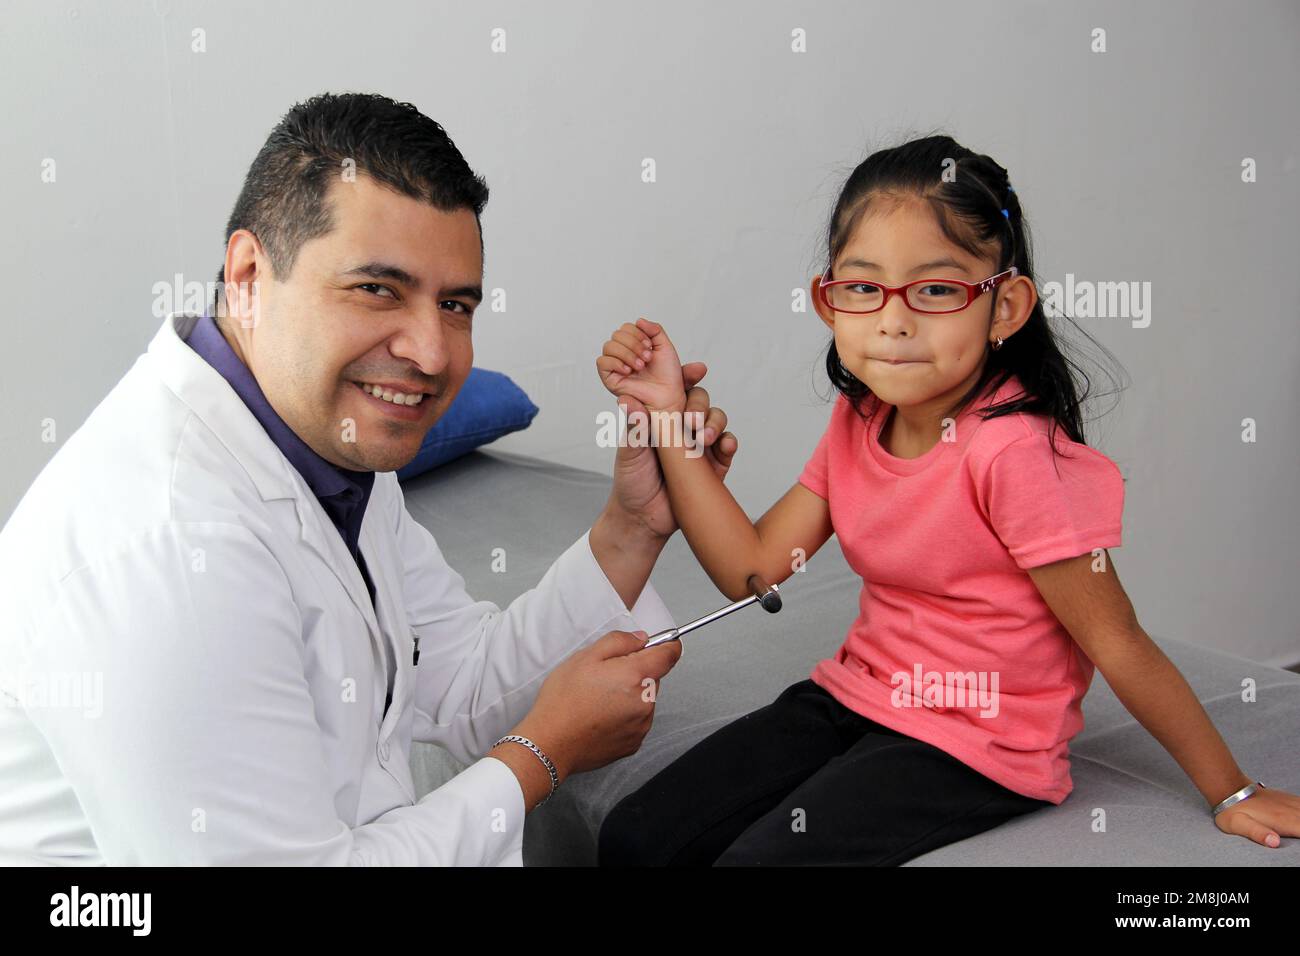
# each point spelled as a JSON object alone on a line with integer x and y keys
{"x": 1128, "y": 163}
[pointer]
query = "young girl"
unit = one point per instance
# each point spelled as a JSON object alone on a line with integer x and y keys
{"x": 980, "y": 533}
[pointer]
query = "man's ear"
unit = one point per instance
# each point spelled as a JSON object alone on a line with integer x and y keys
{"x": 247, "y": 264}
{"x": 815, "y": 293}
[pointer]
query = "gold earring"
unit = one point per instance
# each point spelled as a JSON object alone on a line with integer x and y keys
{"x": 998, "y": 344}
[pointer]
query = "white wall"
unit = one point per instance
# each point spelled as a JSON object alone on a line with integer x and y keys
{"x": 1128, "y": 164}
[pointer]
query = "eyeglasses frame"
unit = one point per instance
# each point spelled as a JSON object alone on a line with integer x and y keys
{"x": 973, "y": 290}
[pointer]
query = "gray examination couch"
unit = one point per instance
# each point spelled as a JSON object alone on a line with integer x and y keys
{"x": 1154, "y": 816}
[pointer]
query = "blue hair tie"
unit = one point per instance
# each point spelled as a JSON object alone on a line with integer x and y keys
{"x": 1006, "y": 214}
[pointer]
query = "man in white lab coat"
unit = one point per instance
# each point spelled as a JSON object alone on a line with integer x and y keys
{"x": 222, "y": 630}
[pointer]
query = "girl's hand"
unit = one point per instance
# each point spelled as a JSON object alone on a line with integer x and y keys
{"x": 639, "y": 361}
{"x": 1263, "y": 816}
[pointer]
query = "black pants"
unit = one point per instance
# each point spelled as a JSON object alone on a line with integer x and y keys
{"x": 805, "y": 781}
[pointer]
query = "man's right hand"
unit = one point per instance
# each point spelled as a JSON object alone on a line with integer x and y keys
{"x": 596, "y": 706}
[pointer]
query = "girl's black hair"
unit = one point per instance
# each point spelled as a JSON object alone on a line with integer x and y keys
{"x": 968, "y": 203}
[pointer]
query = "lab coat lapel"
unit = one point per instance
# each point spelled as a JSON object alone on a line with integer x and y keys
{"x": 390, "y": 610}
{"x": 324, "y": 539}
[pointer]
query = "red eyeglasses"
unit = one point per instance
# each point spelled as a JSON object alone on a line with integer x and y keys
{"x": 932, "y": 296}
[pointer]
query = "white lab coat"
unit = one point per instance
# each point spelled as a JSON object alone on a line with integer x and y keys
{"x": 170, "y": 554}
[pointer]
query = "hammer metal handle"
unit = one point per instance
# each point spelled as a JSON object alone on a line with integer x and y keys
{"x": 763, "y": 593}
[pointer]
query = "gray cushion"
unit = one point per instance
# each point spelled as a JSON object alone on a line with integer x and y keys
{"x": 1153, "y": 813}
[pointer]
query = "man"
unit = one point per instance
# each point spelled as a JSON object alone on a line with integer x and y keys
{"x": 220, "y": 564}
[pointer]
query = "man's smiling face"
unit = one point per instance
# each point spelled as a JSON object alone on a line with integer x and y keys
{"x": 384, "y": 299}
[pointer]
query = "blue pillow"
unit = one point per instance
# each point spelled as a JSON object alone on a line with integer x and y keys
{"x": 487, "y": 406}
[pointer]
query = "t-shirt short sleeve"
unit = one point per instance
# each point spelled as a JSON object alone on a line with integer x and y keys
{"x": 1046, "y": 507}
{"x": 813, "y": 476}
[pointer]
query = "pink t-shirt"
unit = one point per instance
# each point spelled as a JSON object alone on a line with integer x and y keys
{"x": 953, "y": 644}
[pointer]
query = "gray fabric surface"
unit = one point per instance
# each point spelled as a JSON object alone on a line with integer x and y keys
{"x": 1153, "y": 814}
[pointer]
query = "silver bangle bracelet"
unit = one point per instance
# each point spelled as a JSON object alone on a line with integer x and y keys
{"x": 1239, "y": 796}
{"x": 546, "y": 761}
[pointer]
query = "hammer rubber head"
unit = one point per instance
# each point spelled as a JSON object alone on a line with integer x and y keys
{"x": 765, "y": 593}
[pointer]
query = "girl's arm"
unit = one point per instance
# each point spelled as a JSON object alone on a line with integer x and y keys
{"x": 640, "y": 362}
{"x": 1095, "y": 610}
{"x": 728, "y": 546}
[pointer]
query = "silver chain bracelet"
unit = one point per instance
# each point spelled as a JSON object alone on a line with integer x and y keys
{"x": 546, "y": 761}
{"x": 1239, "y": 796}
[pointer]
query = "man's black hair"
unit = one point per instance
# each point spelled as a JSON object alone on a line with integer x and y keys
{"x": 283, "y": 200}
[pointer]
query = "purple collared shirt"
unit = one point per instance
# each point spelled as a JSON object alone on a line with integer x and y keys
{"x": 342, "y": 493}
